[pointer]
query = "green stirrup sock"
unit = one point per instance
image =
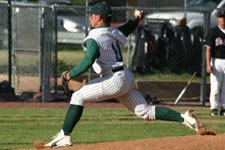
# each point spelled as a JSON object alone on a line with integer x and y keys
{"x": 164, "y": 113}
{"x": 72, "y": 117}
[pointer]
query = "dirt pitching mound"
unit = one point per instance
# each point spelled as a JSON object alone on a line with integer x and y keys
{"x": 196, "y": 142}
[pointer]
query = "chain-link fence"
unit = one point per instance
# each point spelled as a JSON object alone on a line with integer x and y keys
{"x": 26, "y": 48}
{"x": 170, "y": 42}
{"x": 4, "y": 42}
{"x": 175, "y": 45}
{"x": 32, "y": 49}
{"x": 166, "y": 42}
{"x": 4, "y": 53}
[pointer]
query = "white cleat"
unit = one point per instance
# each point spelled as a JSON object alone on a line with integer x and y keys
{"x": 60, "y": 140}
{"x": 191, "y": 120}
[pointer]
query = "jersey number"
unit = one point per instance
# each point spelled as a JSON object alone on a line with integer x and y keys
{"x": 117, "y": 51}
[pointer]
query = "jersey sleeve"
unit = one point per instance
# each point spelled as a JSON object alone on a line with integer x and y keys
{"x": 129, "y": 27}
{"x": 210, "y": 39}
{"x": 91, "y": 54}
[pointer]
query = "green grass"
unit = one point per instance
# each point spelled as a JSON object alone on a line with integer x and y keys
{"x": 70, "y": 58}
{"x": 22, "y": 126}
{"x": 168, "y": 77}
{"x": 73, "y": 57}
{"x": 22, "y": 59}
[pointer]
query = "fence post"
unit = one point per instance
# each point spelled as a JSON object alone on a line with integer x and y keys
{"x": 55, "y": 47}
{"x": 129, "y": 38}
{"x": 86, "y": 33}
{"x": 46, "y": 49}
{"x": 204, "y": 75}
{"x": 10, "y": 42}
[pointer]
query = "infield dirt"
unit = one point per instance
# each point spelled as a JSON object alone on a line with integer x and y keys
{"x": 196, "y": 142}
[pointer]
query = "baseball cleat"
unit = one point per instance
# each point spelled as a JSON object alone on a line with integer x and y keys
{"x": 191, "y": 120}
{"x": 60, "y": 140}
{"x": 222, "y": 112}
{"x": 214, "y": 112}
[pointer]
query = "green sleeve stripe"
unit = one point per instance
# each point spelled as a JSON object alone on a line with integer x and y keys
{"x": 91, "y": 54}
{"x": 129, "y": 27}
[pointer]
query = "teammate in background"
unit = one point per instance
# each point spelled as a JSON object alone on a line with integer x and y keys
{"x": 215, "y": 61}
{"x": 103, "y": 47}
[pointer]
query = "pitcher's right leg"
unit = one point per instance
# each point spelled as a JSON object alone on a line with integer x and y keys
{"x": 135, "y": 102}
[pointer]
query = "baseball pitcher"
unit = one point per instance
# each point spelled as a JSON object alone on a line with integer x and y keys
{"x": 103, "y": 47}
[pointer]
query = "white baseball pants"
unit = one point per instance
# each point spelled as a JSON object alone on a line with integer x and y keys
{"x": 217, "y": 79}
{"x": 119, "y": 85}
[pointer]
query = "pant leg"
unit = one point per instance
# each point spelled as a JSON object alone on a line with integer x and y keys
{"x": 215, "y": 80}
{"x": 102, "y": 88}
{"x": 222, "y": 93}
{"x": 136, "y": 103}
{"x": 222, "y": 89}
{"x": 214, "y": 91}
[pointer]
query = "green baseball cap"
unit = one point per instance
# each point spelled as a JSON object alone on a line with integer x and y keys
{"x": 101, "y": 8}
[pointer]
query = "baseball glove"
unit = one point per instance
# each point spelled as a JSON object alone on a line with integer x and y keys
{"x": 65, "y": 83}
